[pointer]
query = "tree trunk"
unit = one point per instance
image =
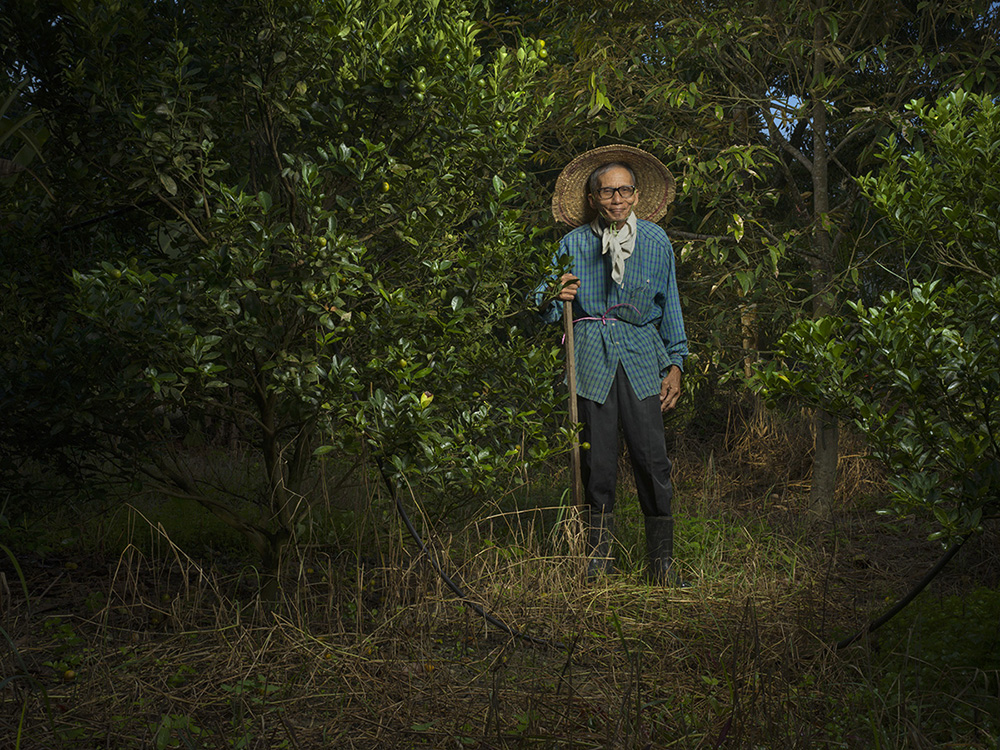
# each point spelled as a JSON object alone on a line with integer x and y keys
{"x": 751, "y": 345}
{"x": 825, "y": 459}
{"x": 826, "y": 453}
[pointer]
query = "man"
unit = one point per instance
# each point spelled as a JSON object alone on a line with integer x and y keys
{"x": 629, "y": 336}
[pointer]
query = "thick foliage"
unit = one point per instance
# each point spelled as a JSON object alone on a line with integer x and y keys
{"x": 919, "y": 374}
{"x": 938, "y": 186}
{"x": 302, "y": 236}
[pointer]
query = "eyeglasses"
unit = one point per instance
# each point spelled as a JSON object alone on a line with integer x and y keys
{"x": 625, "y": 191}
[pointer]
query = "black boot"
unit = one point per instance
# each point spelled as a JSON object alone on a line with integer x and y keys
{"x": 600, "y": 531}
{"x": 660, "y": 551}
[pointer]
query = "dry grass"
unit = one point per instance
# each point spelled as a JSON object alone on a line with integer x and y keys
{"x": 370, "y": 650}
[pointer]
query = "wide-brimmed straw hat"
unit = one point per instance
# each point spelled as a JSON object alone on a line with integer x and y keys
{"x": 655, "y": 183}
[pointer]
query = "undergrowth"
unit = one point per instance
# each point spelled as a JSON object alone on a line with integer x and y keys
{"x": 145, "y": 640}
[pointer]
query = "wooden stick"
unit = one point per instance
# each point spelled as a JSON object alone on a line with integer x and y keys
{"x": 574, "y": 456}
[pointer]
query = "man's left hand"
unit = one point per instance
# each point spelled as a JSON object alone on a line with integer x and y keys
{"x": 670, "y": 389}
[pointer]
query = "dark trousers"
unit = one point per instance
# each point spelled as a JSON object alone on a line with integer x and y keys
{"x": 642, "y": 425}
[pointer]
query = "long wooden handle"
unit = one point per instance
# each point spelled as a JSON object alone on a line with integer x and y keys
{"x": 574, "y": 456}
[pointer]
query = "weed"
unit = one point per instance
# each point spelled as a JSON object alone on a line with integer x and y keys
{"x": 176, "y": 731}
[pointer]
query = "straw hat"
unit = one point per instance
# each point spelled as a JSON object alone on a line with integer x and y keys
{"x": 656, "y": 185}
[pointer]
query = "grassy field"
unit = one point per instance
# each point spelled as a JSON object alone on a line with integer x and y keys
{"x": 142, "y": 629}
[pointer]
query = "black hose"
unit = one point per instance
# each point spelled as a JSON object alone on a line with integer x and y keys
{"x": 458, "y": 591}
{"x": 898, "y": 606}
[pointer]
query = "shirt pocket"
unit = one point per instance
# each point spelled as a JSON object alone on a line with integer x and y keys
{"x": 635, "y": 301}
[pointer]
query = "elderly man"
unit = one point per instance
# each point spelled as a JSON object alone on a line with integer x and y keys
{"x": 629, "y": 336}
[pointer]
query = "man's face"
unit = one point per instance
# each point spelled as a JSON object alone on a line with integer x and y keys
{"x": 616, "y": 208}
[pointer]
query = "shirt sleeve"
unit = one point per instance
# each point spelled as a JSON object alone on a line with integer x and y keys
{"x": 672, "y": 321}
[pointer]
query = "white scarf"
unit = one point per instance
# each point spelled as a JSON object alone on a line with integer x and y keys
{"x": 619, "y": 243}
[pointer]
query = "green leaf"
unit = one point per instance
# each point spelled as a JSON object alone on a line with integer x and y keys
{"x": 168, "y": 184}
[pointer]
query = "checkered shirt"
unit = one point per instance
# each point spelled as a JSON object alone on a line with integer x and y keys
{"x": 638, "y": 323}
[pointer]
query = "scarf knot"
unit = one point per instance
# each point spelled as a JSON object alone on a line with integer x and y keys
{"x": 617, "y": 243}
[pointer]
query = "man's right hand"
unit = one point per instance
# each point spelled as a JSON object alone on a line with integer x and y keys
{"x": 569, "y": 285}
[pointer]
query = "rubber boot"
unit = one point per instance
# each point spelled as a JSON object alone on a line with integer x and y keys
{"x": 660, "y": 551}
{"x": 600, "y": 531}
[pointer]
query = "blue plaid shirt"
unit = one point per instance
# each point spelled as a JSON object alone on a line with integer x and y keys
{"x": 637, "y": 324}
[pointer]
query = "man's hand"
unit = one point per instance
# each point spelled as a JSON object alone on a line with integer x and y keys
{"x": 670, "y": 389}
{"x": 569, "y": 285}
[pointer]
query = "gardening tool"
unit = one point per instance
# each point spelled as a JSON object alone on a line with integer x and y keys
{"x": 574, "y": 455}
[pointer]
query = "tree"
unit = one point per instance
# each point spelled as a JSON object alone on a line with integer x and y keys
{"x": 298, "y": 225}
{"x": 919, "y": 374}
